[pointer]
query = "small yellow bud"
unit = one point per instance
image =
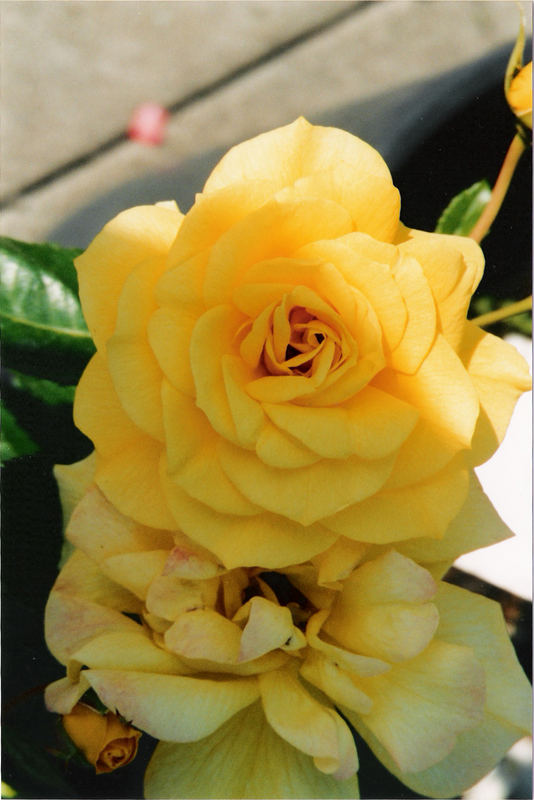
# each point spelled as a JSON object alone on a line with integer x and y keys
{"x": 106, "y": 742}
{"x": 519, "y": 95}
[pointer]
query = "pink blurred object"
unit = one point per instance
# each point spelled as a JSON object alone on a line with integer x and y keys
{"x": 147, "y": 123}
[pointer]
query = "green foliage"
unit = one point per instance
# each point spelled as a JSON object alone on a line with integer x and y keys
{"x": 14, "y": 439}
{"x": 462, "y": 213}
{"x": 48, "y": 392}
{"x": 43, "y": 330}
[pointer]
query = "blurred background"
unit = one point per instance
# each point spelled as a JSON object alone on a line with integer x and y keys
{"x": 420, "y": 79}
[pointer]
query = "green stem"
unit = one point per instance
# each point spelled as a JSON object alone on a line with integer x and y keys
{"x": 504, "y": 312}
{"x": 498, "y": 193}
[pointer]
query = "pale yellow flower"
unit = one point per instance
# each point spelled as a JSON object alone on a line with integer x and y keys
{"x": 241, "y": 673}
{"x": 288, "y": 364}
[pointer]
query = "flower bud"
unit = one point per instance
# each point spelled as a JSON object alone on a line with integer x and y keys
{"x": 519, "y": 95}
{"x": 106, "y": 742}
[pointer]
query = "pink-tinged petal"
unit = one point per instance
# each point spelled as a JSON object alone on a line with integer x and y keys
{"x": 80, "y": 576}
{"x": 335, "y": 682}
{"x": 288, "y": 153}
{"x": 135, "y": 571}
{"x": 477, "y": 622}
{"x": 476, "y": 525}
{"x": 243, "y": 758}
{"x": 130, "y": 238}
{"x": 307, "y": 724}
{"x": 383, "y": 609}
{"x": 71, "y": 621}
{"x": 174, "y": 708}
{"x": 268, "y": 627}
{"x": 169, "y": 595}
{"x": 130, "y": 651}
{"x": 500, "y": 375}
{"x": 422, "y": 705}
{"x": 62, "y": 695}
{"x": 73, "y": 480}
{"x": 354, "y": 663}
{"x": 204, "y": 634}
{"x": 97, "y": 528}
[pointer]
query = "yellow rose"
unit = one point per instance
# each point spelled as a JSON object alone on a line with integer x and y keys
{"x": 240, "y": 672}
{"x": 519, "y": 95}
{"x": 106, "y": 742}
{"x": 288, "y": 363}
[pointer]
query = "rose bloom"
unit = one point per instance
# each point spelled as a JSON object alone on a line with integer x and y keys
{"x": 289, "y": 364}
{"x": 106, "y": 742}
{"x": 243, "y": 673}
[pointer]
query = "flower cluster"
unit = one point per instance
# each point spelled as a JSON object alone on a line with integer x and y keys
{"x": 286, "y": 403}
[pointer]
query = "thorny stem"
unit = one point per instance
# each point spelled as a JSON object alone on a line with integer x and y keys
{"x": 498, "y": 192}
{"x": 502, "y": 313}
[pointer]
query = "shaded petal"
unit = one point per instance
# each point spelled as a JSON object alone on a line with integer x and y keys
{"x": 277, "y": 229}
{"x": 171, "y": 325}
{"x": 476, "y": 525}
{"x": 97, "y": 528}
{"x": 335, "y": 682}
{"x": 374, "y": 211}
{"x": 307, "y": 724}
{"x": 73, "y": 480}
{"x": 130, "y": 480}
{"x": 127, "y": 240}
{"x": 476, "y": 622}
{"x": 421, "y": 705}
{"x": 423, "y": 509}
{"x": 420, "y": 330}
{"x": 285, "y": 154}
{"x": 61, "y": 696}
{"x": 268, "y": 627}
{"x": 99, "y": 413}
{"x": 500, "y": 375}
{"x": 307, "y": 494}
{"x": 277, "y": 449}
{"x": 204, "y": 634}
{"x": 366, "y": 265}
{"x": 453, "y": 266}
{"x": 175, "y": 708}
{"x": 371, "y": 425}
{"x": 353, "y": 663}
{"x": 441, "y": 390}
{"x": 192, "y": 456}
{"x": 383, "y": 609}
{"x": 237, "y": 761}
{"x": 81, "y": 577}
{"x": 266, "y": 539}
{"x": 127, "y": 651}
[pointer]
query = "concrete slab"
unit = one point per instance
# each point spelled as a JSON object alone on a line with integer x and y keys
{"x": 384, "y": 46}
{"x": 72, "y": 73}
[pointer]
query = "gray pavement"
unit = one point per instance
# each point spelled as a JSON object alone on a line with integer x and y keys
{"x": 72, "y": 73}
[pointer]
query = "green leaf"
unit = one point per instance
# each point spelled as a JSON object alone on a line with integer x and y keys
{"x": 462, "y": 213}
{"x": 48, "y": 392}
{"x": 44, "y": 333}
{"x": 14, "y": 440}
